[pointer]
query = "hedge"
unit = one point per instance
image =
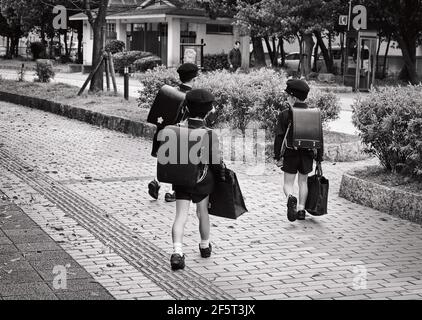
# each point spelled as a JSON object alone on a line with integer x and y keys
{"x": 241, "y": 98}
{"x": 389, "y": 121}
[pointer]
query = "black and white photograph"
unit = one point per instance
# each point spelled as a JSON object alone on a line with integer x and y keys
{"x": 211, "y": 159}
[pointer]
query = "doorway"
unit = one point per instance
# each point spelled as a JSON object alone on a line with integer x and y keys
{"x": 150, "y": 37}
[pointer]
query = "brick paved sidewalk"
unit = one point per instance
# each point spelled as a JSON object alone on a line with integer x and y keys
{"x": 34, "y": 267}
{"x": 92, "y": 183}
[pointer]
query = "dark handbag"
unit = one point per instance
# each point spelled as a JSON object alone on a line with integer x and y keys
{"x": 227, "y": 200}
{"x": 317, "y": 201}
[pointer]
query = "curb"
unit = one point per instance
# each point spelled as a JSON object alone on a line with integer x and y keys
{"x": 26, "y": 68}
{"x": 399, "y": 203}
{"x": 134, "y": 128}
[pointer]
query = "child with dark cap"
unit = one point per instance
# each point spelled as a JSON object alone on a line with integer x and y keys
{"x": 187, "y": 73}
{"x": 294, "y": 161}
{"x": 199, "y": 104}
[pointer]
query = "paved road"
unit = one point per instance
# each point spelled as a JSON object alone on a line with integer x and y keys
{"x": 92, "y": 183}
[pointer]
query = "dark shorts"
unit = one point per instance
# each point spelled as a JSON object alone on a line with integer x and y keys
{"x": 298, "y": 161}
{"x": 195, "y": 198}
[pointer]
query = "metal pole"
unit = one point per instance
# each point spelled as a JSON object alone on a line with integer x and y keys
{"x": 126, "y": 83}
{"x": 350, "y": 15}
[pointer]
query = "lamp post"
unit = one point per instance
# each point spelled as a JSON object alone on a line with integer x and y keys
{"x": 126, "y": 83}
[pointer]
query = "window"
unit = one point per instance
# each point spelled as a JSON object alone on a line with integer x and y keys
{"x": 219, "y": 29}
{"x": 111, "y": 31}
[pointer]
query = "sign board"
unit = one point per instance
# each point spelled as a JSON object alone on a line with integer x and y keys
{"x": 190, "y": 56}
{"x": 343, "y": 20}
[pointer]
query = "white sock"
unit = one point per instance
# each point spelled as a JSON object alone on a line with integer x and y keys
{"x": 177, "y": 246}
{"x": 300, "y": 207}
{"x": 204, "y": 244}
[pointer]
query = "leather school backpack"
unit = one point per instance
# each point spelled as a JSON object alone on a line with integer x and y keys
{"x": 166, "y": 107}
{"x": 183, "y": 156}
{"x": 306, "y": 129}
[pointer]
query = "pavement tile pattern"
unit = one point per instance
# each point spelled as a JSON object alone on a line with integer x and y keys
{"x": 28, "y": 257}
{"x": 86, "y": 188}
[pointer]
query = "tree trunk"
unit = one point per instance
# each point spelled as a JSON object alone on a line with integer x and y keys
{"x": 258, "y": 51}
{"x": 269, "y": 49}
{"x": 80, "y": 39}
{"x": 300, "y": 67}
{"x": 71, "y": 45}
{"x": 378, "y": 54}
{"x": 327, "y": 58}
{"x": 97, "y": 51}
{"x": 282, "y": 52}
{"x": 384, "y": 66}
{"x": 307, "y": 54}
{"x": 14, "y": 46}
{"x": 275, "y": 58}
{"x": 51, "y": 47}
{"x": 44, "y": 42}
{"x": 408, "y": 47}
{"x": 315, "y": 66}
{"x": 66, "y": 45}
{"x": 7, "y": 47}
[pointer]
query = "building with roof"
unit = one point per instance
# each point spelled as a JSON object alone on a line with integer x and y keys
{"x": 162, "y": 27}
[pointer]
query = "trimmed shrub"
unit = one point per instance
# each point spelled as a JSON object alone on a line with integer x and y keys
{"x": 147, "y": 63}
{"x": 390, "y": 125}
{"x": 214, "y": 62}
{"x": 242, "y": 99}
{"x": 44, "y": 71}
{"x": 152, "y": 80}
{"x": 37, "y": 50}
{"x": 115, "y": 46}
{"x": 127, "y": 58}
{"x": 327, "y": 102}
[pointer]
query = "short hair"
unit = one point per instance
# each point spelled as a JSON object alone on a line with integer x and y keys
{"x": 237, "y": 42}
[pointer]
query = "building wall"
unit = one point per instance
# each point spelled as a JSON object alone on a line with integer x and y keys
{"x": 87, "y": 43}
{"x": 220, "y": 43}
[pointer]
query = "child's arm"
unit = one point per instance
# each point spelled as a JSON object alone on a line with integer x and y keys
{"x": 279, "y": 134}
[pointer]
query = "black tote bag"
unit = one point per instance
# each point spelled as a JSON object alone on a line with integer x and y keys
{"x": 317, "y": 201}
{"x": 227, "y": 200}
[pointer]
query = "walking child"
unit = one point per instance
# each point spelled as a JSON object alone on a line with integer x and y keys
{"x": 187, "y": 73}
{"x": 199, "y": 104}
{"x": 295, "y": 161}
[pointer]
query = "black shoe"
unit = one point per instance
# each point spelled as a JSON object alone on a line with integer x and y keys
{"x": 177, "y": 261}
{"x": 301, "y": 215}
{"x": 170, "y": 197}
{"x": 292, "y": 208}
{"x": 205, "y": 253}
{"x": 153, "y": 188}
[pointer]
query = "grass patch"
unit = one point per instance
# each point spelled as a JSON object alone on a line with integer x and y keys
{"x": 102, "y": 102}
{"x": 383, "y": 177}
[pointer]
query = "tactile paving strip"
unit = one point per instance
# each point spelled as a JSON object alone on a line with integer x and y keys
{"x": 139, "y": 252}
